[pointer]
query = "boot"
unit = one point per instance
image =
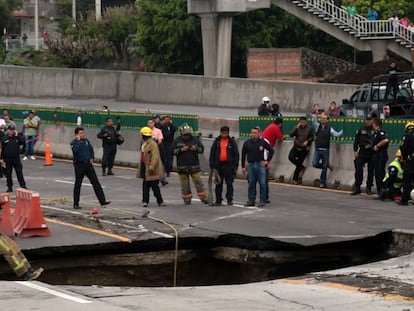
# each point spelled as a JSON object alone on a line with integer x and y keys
{"x": 103, "y": 172}
{"x": 110, "y": 172}
{"x": 32, "y": 274}
{"x": 356, "y": 191}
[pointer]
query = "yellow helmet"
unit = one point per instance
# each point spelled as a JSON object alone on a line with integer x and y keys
{"x": 186, "y": 129}
{"x": 146, "y": 131}
{"x": 398, "y": 153}
{"x": 409, "y": 127}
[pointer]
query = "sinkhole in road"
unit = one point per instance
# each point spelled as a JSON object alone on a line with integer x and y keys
{"x": 228, "y": 259}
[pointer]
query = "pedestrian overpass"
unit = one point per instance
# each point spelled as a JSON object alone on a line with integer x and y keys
{"x": 379, "y": 36}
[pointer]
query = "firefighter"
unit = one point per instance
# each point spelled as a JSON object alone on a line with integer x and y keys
{"x": 186, "y": 148}
{"x": 150, "y": 168}
{"x": 14, "y": 256}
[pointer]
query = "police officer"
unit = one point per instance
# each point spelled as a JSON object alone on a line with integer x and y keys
{"x": 83, "y": 156}
{"x": 10, "y": 155}
{"x": 392, "y": 183}
{"x": 380, "y": 154}
{"x": 363, "y": 150}
{"x": 407, "y": 152}
{"x": 108, "y": 134}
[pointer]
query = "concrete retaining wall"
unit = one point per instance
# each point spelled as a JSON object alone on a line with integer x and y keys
{"x": 341, "y": 156}
{"x": 166, "y": 88}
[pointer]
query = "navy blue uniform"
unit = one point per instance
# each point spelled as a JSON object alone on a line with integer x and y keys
{"x": 380, "y": 158}
{"x": 83, "y": 156}
{"x": 109, "y": 135}
{"x": 10, "y": 152}
{"x": 363, "y": 144}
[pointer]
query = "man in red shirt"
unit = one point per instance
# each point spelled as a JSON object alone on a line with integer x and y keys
{"x": 273, "y": 132}
{"x": 271, "y": 135}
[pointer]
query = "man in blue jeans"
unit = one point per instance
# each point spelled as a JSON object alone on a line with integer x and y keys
{"x": 31, "y": 125}
{"x": 255, "y": 165}
{"x": 322, "y": 141}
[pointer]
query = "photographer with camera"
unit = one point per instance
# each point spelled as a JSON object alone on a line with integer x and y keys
{"x": 110, "y": 139}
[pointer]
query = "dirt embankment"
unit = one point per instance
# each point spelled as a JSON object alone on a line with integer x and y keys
{"x": 364, "y": 74}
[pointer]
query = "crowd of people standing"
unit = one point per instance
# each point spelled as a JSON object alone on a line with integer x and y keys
{"x": 370, "y": 151}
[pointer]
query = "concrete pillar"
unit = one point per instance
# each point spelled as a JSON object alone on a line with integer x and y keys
{"x": 412, "y": 59}
{"x": 224, "y": 45}
{"x": 378, "y": 49}
{"x": 209, "y": 37}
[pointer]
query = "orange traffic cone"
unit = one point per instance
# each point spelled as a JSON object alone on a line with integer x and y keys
{"x": 48, "y": 155}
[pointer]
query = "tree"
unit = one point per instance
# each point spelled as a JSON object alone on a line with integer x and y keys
{"x": 115, "y": 27}
{"x": 83, "y": 9}
{"x": 168, "y": 37}
{"x": 76, "y": 52}
{"x": 6, "y": 9}
{"x": 110, "y": 35}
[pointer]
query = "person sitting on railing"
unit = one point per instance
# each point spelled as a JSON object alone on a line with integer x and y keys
{"x": 372, "y": 14}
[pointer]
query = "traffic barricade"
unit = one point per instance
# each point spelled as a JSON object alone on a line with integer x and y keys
{"x": 28, "y": 217}
{"x": 5, "y": 218}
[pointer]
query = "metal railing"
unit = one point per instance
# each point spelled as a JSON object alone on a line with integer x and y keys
{"x": 404, "y": 34}
{"x": 359, "y": 25}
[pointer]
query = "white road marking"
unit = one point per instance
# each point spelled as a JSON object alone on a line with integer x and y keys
{"x": 234, "y": 215}
{"x": 53, "y": 292}
{"x": 72, "y": 183}
{"x": 237, "y": 205}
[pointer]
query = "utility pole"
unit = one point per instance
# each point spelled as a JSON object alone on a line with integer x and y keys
{"x": 98, "y": 8}
{"x": 74, "y": 12}
{"x": 36, "y": 25}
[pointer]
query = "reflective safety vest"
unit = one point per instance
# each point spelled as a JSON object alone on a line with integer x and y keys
{"x": 396, "y": 163}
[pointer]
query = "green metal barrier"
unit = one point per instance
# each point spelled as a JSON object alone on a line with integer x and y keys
{"x": 394, "y": 128}
{"x": 96, "y": 119}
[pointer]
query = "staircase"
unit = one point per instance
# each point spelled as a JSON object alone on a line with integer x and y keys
{"x": 359, "y": 32}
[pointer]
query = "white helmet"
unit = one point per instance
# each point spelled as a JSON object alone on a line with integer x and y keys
{"x": 265, "y": 100}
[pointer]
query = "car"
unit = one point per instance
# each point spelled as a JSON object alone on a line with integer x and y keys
{"x": 370, "y": 98}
